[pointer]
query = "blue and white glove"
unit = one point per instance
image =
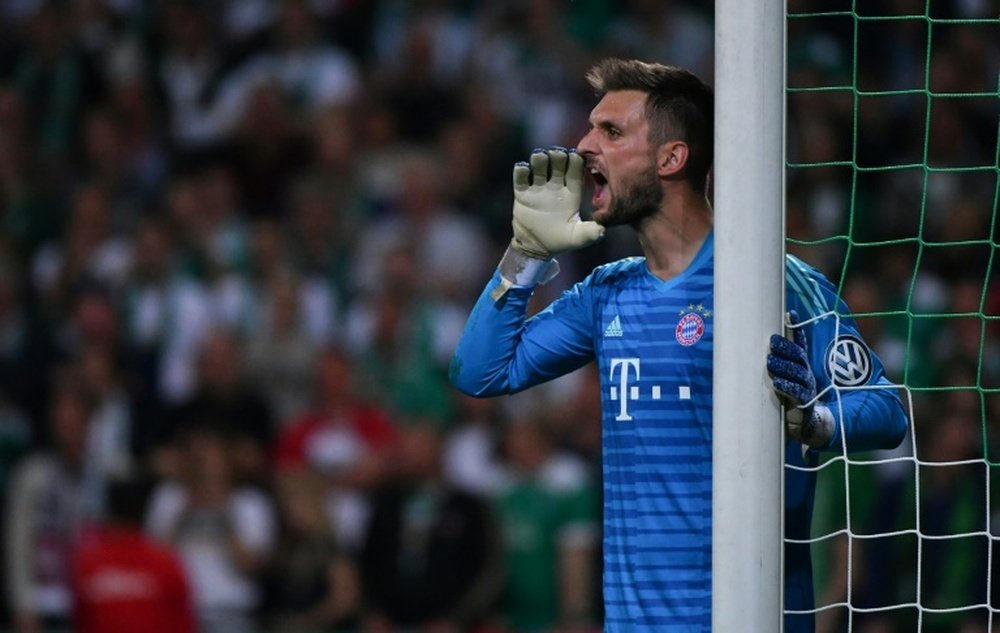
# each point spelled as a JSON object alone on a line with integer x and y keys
{"x": 795, "y": 385}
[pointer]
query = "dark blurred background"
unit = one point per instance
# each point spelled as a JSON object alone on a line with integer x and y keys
{"x": 240, "y": 239}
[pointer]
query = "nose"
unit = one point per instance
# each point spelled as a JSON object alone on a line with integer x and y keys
{"x": 586, "y": 146}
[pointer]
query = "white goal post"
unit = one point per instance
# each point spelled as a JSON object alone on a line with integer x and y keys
{"x": 749, "y": 200}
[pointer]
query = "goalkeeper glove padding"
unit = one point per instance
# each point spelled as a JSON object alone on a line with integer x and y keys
{"x": 547, "y": 205}
{"x": 795, "y": 385}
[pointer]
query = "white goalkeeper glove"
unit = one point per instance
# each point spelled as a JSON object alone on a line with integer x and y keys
{"x": 794, "y": 383}
{"x": 547, "y": 205}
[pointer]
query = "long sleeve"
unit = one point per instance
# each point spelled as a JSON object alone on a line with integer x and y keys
{"x": 869, "y": 419}
{"x": 502, "y": 351}
{"x": 849, "y": 375}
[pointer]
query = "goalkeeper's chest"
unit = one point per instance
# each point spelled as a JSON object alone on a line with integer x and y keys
{"x": 659, "y": 343}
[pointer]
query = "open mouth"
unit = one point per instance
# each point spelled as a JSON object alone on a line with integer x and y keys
{"x": 600, "y": 186}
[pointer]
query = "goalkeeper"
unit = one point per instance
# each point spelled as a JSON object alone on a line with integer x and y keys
{"x": 647, "y": 321}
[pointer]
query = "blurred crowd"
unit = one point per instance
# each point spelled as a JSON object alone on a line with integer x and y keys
{"x": 240, "y": 239}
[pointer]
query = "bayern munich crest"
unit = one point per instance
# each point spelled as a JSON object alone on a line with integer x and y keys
{"x": 691, "y": 326}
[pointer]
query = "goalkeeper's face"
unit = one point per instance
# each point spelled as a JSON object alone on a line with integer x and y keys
{"x": 620, "y": 161}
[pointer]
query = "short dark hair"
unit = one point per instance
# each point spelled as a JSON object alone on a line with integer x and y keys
{"x": 126, "y": 499}
{"x": 679, "y": 105}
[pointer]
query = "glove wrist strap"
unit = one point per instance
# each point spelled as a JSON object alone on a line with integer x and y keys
{"x": 518, "y": 270}
{"x": 818, "y": 432}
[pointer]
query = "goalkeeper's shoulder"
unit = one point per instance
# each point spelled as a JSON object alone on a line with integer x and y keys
{"x": 616, "y": 271}
{"x": 812, "y": 292}
{"x": 798, "y": 269}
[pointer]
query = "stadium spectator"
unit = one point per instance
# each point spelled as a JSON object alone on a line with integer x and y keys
{"x": 88, "y": 252}
{"x": 213, "y": 225}
{"x": 105, "y": 162}
{"x": 267, "y": 148}
{"x": 145, "y": 158}
{"x": 228, "y": 404}
{"x": 415, "y": 67}
{"x": 471, "y": 186}
{"x": 312, "y": 73}
{"x": 203, "y": 102}
{"x": 164, "y": 316}
{"x": 431, "y": 557}
{"x": 224, "y": 531}
{"x": 472, "y": 457}
{"x": 245, "y": 303}
{"x": 311, "y": 584}
{"x": 343, "y": 439}
{"x": 281, "y": 354}
{"x": 449, "y": 248}
{"x": 45, "y": 516}
{"x": 114, "y": 444}
{"x": 400, "y": 338}
{"x": 548, "y": 515}
{"x": 324, "y": 223}
{"x": 123, "y": 580}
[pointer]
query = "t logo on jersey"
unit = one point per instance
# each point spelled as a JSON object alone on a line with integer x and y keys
{"x": 848, "y": 362}
{"x": 624, "y": 392}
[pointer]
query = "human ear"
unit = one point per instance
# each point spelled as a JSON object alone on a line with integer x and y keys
{"x": 671, "y": 158}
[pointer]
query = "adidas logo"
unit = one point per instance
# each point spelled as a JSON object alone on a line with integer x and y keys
{"x": 614, "y": 328}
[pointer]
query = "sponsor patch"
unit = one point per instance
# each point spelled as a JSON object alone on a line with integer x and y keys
{"x": 848, "y": 362}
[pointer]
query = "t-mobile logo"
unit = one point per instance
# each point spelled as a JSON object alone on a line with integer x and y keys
{"x": 624, "y": 379}
{"x": 624, "y": 392}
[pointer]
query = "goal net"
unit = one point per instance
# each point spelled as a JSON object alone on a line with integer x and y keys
{"x": 892, "y": 191}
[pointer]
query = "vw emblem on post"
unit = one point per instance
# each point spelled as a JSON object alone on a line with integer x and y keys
{"x": 848, "y": 362}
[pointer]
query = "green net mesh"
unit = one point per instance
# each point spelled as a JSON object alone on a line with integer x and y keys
{"x": 893, "y": 187}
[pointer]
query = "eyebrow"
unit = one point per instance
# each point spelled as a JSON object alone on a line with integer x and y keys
{"x": 605, "y": 124}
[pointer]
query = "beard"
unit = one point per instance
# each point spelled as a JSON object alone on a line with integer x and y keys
{"x": 640, "y": 200}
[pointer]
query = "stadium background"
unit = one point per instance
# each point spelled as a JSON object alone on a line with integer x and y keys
{"x": 240, "y": 238}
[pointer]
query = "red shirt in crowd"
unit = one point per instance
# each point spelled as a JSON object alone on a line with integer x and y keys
{"x": 124, "y": 581}
{"x": 325, "y": 441}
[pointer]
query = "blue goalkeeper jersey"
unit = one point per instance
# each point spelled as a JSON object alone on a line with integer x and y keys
{"x": 652, "y": 341}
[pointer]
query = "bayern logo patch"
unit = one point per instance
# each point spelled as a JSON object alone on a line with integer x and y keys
{"x": 848, "y": 362}
{"x": 689, "y": 329}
